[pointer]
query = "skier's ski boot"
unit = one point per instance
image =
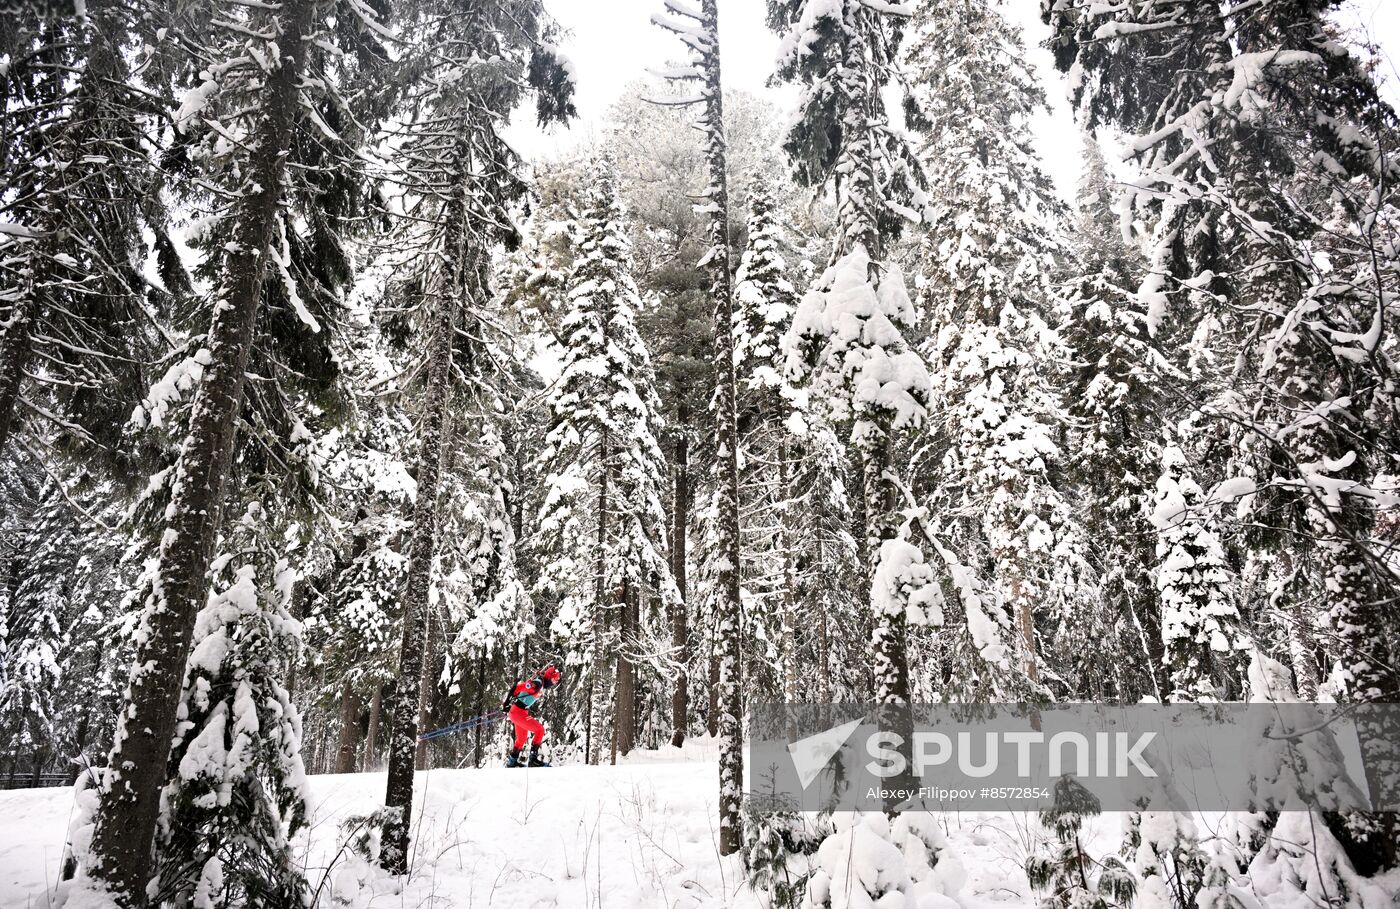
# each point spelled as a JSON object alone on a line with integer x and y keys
{"x": 535, "y": 760}
{"x": 514, "y": 759}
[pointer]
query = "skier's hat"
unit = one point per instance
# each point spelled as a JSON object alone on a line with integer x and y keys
{"x": 550, "y": 675}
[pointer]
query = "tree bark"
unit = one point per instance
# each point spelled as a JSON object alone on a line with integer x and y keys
{"x": 426, "y": 678}
{"x": 890, "y": 633}
{"x": 15, "y": 346}
{"x": 680, "y": 633}
{"x": 349, "y": 728}
{"x": 370, "y": 760}
{"x": 130, "y": 802}
{"x": 422, "y": 549}
{"x": 712, "y": 688}
{"x": 600, "y": 612}
{"x": 625, "y": 726}
{"x": 889, "y": 637}
{"x": 731, "y": 702}
{"x": 823, "y": 644}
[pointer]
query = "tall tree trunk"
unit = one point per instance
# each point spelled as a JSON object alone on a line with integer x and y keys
{"x": 349, "y": 729}
{"x": 712, "y": 680}
{"x": 680, "y": 634}
{"x": 130, "y": 803}
{"x": 889, "y": 633}
{"x": 823, "y": 619}
{"x": 731, "y": 703}
{"x": 788, "y": 601}
{"x": 426, "y": 679}
{"x": 422, "y": 549}
{"x": 1025, "y": 623}
{"x": 625, "y": 724}
{"x": 1300, "y": 647}
{"x": 600, "y": 610}
{"x": 726, "y": 694}
{"x": 15, "y": 346}
{"x": 371, "y": 755}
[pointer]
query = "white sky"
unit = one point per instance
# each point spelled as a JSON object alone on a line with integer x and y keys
{"x": 613, "y": 42}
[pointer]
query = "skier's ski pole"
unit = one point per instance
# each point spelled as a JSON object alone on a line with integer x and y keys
{"x": 485, "y": 719}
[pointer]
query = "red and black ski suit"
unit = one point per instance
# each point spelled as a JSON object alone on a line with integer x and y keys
{"x": 522, "y": 701}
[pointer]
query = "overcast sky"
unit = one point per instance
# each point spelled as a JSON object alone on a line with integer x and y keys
{"x": 612, "y": 42}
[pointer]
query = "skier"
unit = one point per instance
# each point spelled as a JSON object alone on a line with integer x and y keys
{"x": 521, "y": 702}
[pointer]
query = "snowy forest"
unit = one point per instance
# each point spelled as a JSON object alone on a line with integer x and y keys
{"x": 327, "y": 415}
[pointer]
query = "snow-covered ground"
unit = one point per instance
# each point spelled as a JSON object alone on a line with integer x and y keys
{"x": 641, "y": 834}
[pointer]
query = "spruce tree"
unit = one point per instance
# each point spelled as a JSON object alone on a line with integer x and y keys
{"x": 237, "y": 793}
{"x": 793, "y": 481}
{"x": 700, "y": 31}
{"x": 602, "y": 539}
{"x": 126, "y": 820}
{"x": 76, "y": 274}
{"x": 60, "y": 595}
{"x": 1116, "y": 409}
{"x": 1063, "y": 869}
{"x": 849, "y": 338}
{"x": 989, "y": 264}
{"x": 1223, "y": 107}
{"x": 1201, "y": 633}
{"x": 462, "y": 184}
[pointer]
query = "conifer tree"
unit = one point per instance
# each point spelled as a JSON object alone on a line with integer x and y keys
{"x": 700, "y": 31}
{"x": 1201, "y": 632}
{"x": 59, "y": 597}
{"x": 1116, "y": 410}
{"x": 80, "y": 189}
{"x": 602, "y": 529}
{"x": 848, "y": 339}
{"x": 1222, "y": 107}
{"x": 990, "y": 259}
{"x": 462, "y": 179}
{"x": 237, "y": 790}
{"x": 269, "y": 102}
{"x": 793, "y": 487}
{"x": 1063, "y": 870}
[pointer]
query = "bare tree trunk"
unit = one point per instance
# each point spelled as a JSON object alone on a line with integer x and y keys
{"x": 422, "y": 549}
{"x": 15, "y": 345}
{"x": 371, "y": 756}
{"x": 712, "y": 688}
{"x": 731, "y": 703}
{"x": 680, "y": 634}
{"x": 130, "y": 803}
{"x": 426, "y": 685}
{"x": 625, "y": 725}
{"x": 823, "y": 622}
{"x": 349, "y": 728}
{"x": 600, "y": 612}
{"x": 1025, "y": 622}
{"x": 1300, "y": 652}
